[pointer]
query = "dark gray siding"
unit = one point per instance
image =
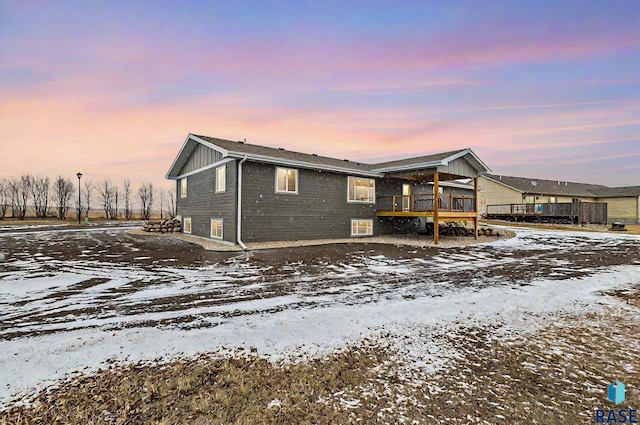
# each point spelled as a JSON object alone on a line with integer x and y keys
{"x": 200, "y": 157}
{"x": 203, "y": 203}
{"x": 394, "y": 225}
{"x": 320, "y": 209}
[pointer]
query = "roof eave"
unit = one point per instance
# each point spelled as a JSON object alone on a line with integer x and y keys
{"x": 168, "y": 176}
{"x": 171, "y": 175}
{"x": 468, "y": 151}
{"x": 303, "y": 164}
{"x": 431, "y": 164}
{"x": 502, "y": 183}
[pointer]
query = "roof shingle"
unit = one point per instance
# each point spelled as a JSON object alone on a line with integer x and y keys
{"x": 563, "y": 188}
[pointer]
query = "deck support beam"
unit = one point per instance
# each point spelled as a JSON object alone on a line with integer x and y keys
{"x": 475, "y": 207}
{"x": 436, "y": 201}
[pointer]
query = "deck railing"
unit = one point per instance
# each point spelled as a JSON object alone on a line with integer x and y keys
{"x": 425, "y": 203}
{"x": 581, "y": 212}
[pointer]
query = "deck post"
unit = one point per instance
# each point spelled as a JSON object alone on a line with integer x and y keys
{"x": 475, "y": 207}
{"x": 436, "y": 201}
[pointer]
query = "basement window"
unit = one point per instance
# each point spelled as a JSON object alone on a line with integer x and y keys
{"x": 361, "y": 227}
{"x": 183, "y": 187}
{"x": 216, "y": 228}
{"x": 186, "y": 225}
{"x": 286, "y": 180}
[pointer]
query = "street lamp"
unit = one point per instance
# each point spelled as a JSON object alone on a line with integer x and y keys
{"x": 79, "y": 206}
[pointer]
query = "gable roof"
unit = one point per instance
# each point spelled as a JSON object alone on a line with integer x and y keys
{"x": 265, "y": 153}
{"x": 279, "y": 156}
{"x": 616, "y": 192}
{"x": 562, "y": 188}
{"x": 434, "y": 160}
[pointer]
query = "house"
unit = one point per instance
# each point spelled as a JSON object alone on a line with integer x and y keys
{"x": 240, "y": 192}
{"x": 622, "y": 204}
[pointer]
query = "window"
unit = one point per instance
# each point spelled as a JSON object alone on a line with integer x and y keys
{"x": 361, "y": 189}
{"x": 183, "y": 187}
{"x": 286, "y": 180}
{"x": 361, "y": 227}
{"x": 528, "y": 199}
{"x": 216, "y": 228}
{"x": 221, "y": 179}
{"x": 186, "y": 226}
{"x": 552, "y": 199}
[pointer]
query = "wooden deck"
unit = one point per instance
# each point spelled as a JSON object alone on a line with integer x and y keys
{"x": 447, "y": 208}
{"x": 423, "y": 205}
{"x": 570, "y": 212}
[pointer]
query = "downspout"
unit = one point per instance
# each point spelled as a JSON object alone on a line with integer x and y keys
{"x": 239, "y": 218}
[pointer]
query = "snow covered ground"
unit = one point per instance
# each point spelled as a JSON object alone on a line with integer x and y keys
{"x": 62, "y": 313}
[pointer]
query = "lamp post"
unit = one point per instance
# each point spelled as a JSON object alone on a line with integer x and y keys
{"x": 79, "y": 206}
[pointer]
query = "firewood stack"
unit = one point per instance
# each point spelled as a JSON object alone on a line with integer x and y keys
{"x": 162, "y": 226}
{"x": 457, "y": 229}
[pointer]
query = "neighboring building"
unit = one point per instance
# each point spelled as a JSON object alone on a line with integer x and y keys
{"x": 623, "y": 203}
{"x": 239, "y": 192}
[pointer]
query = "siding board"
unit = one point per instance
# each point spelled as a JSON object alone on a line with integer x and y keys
{"x": 200, "y": 157}
{"x": 622, "y": 209}
{"x": 319, "y": 210}
{"x": 459, "y": 167}
{"x": 203, "y": 203}
{"x": 492, "y": 193}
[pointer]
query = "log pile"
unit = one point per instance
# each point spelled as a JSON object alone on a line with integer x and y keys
{"x": 457, "y": 229}
{"x": 162, "y": 226}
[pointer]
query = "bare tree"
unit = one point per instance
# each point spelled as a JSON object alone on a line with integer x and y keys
{"x": 106, "y": 192}
{"x": 4, "y": 197}
{"x": 145, "y": 192}
{"x": 39, "y": 187}
{"x": 62, "y": 190}
{"x": 128, "y": 211}
{"x": 116, "y": 197}
{"x": 11, "y": 184}
{"x": 20, "y": 190}
{"x": 171, "y": 203}
{"x": 161, "y": 204}
{"x": 88, "y": 192}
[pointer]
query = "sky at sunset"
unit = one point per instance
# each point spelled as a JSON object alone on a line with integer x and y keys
{"x": 545, "y": 89}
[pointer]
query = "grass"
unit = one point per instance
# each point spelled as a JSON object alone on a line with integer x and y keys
{"x": 556, "y": 374}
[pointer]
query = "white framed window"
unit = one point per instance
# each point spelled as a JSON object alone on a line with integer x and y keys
{"x": 286, "y": 180}
{"x": 183, "y": 187}
{"x": 361, "y": 189}
{"x": 361, "y": 227}
{"x": 216, "y": 228}
{"x": 221, "y": 179}
{"x": 186, "y": 225}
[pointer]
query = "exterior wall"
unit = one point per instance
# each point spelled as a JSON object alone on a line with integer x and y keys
{"x": 396, "y": 225}
{"x": 543, "y": 199}
{"x": 200, "y": 157}
{"x": 622, "y": 209}
{"x": 456, "y": 191}
{"x": 459, "y": 167}
{"x": 320, "y": 209}
{"x": 491, "y": 193}
{"x": 203, "y": 203}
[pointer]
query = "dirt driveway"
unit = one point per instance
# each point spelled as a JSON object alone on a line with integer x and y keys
{"x": 73, "y": 300}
